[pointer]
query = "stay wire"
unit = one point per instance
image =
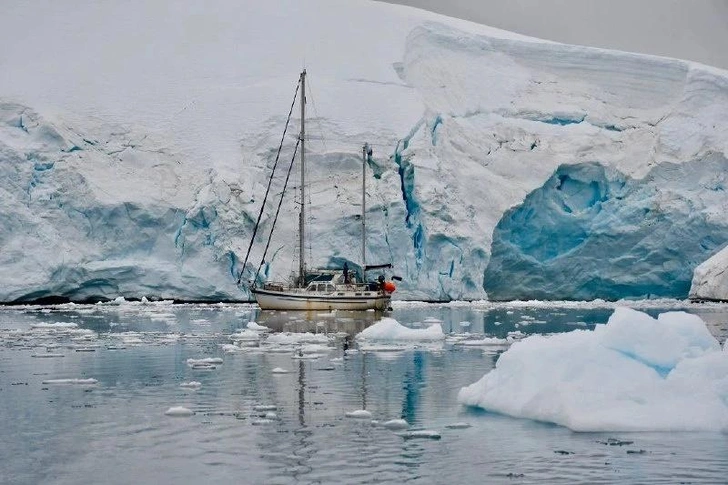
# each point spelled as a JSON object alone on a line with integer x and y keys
{"x": 278, "y": 209}
{"x": 267, "y": 190}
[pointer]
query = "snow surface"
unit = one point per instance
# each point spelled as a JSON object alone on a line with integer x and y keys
{"x": 635, "y": 373}
{"x": 136, "y": 138}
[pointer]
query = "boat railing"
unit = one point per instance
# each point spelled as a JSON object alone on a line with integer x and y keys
{"x": 275, "y": 286}
{"x": 348, "y": 287}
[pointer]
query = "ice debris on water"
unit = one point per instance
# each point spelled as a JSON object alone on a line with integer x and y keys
{"x": 179, "y": 412}
{"x": 265, "y": 407}
{"x": 279, "y": 370}
{"x": 191, "y": 385}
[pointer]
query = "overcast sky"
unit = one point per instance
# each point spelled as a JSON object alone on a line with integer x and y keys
{"x": 686, "y": 29}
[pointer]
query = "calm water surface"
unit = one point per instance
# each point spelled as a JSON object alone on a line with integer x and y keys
{"x": 116, "y": 430}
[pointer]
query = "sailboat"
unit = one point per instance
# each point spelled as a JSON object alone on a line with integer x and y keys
{"x": 322, "y": 289}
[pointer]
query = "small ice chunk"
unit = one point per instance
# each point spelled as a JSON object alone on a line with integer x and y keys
{"x": 314, "y": 349}
{"x": 259, "y": 422}
{"x": 179, "y": 412}
{"x": 54, "y": 325}
{"x": 485, "y": 341}
{"x": 191, "y": 385}
{"x": 279, "y": 370}
{"x": 258, "y": 328}
{"x": 421, "y": 434}
{"x": 83, "y": 382}
{"x": 359, "y": 414}
{"x": 459, "y": 425}
{"x": 265, "y": 407}
{"x": 270, "y": 415}
{"x": 382, "y": 348}
{"x": 245, "y": 336}
{"x": 396, "y": 424}
{"x": 206, "y": 360}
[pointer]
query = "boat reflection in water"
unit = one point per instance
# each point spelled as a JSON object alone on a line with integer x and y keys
{"x": 346, "y": 321}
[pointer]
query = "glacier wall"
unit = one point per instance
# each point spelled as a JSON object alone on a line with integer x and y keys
{"x": 83, "y": 222}
{"x": 503, "y": 166}
{"x": 592, "y": 231}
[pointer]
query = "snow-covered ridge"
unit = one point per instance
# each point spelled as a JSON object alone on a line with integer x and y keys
{"x": 134, "y": 164}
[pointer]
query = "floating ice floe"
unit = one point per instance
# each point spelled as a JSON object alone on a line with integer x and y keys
{"x": 635, "y": 373}
{"x": 390, "y": 329}
{"x": 359, "y": 414}
{"x": 80, "y": 382}
{"x": 279, "y": 370}
{"x": 191, "y": 385}
{"x": 179, "y": 412}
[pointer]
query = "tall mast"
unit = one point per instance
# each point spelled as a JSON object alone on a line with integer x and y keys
{"x": 364, "y": 151}
{"x": 301, "y": 216}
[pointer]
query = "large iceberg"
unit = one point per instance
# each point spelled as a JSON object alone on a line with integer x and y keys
{"x": 710, "y": 279}
{"x": 503, "y": 166}
{"x": 635, "y": 373}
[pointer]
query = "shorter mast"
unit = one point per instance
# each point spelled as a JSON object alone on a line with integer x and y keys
{"x": 302, "y": 214}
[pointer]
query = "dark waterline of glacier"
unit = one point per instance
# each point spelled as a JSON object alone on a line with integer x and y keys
{"x": 252, "y": 425}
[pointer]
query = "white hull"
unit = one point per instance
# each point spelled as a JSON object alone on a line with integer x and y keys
{"x": 306, "y": 300}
